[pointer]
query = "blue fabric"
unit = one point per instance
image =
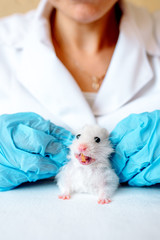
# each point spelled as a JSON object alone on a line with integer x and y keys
{"x": 31, "y": 148}
{"x": 136, "y": 140}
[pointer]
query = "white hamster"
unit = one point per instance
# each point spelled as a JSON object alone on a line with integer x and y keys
{"x": 89, "y": 169}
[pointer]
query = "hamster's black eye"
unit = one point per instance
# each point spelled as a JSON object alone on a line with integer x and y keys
{"x": 97, "y": 139}
{"x": 78, "y": 136}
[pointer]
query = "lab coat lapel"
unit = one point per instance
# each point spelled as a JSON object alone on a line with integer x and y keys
{"x": 51, "y": 84}
{"x": 128, "y": 73}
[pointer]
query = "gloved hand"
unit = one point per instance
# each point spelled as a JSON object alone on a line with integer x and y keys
{"x": 31, "y": 148}
{"x": 136, "y": 140}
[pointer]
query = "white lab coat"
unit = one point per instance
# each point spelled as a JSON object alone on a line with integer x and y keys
{"x": 33, "y": 79}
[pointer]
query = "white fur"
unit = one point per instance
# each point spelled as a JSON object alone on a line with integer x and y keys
{"x": 98, "y": 177}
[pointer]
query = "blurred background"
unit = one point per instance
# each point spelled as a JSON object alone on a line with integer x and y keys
{"x": 8, "y": 7}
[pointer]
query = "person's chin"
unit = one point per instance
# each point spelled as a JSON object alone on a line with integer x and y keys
{"x": 86, "y": 15}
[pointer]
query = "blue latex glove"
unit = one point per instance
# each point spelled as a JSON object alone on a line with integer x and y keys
{"x": 137, "y": 149}
{"x": 31, "y": 148}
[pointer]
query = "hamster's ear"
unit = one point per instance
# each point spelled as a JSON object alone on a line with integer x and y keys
{"x": 105, "y": 131}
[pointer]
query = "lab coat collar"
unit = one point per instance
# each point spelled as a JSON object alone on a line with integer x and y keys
{"x": 142, "y": 26}
{"x": 129, "y": 70}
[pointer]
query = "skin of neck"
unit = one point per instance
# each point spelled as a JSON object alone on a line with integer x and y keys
{"x": 87, "y": 38}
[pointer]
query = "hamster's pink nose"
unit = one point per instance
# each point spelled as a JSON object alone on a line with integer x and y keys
{"x": 82, "y": 147}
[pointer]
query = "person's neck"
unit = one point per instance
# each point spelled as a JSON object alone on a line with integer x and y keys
{"x": 87, "y": 38}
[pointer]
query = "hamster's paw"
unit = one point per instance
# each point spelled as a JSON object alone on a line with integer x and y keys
{"x": 64, "y": 197}
{"x": 104, "y": 201}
